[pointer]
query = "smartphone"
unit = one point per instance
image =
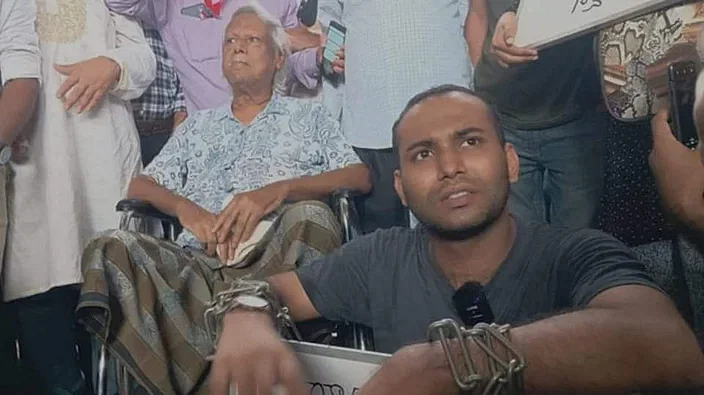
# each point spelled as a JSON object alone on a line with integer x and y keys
{"x": 335, "y": 40}
{"x": 682, "y": 77}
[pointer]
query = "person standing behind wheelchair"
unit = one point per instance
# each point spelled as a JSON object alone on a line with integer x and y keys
{"x": 20, "y": 74}
{"x": 80, "y": 154}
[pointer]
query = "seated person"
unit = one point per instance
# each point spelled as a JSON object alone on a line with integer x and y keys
{"x": 605, "y": 318}
{"x": 265, "y": 149}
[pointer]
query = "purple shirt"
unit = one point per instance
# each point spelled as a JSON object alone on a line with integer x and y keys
{"x": 195, "y": 45}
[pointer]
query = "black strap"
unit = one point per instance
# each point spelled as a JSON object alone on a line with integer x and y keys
{"x": 680, "y": 282}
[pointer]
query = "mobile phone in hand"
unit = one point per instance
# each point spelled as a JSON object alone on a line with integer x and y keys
{"x": 335, "y": 40}
{"x": 682, "y": 77}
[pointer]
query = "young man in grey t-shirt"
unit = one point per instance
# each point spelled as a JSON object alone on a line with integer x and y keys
{"x": 611, "y": 330}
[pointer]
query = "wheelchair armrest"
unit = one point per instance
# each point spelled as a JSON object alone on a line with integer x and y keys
{"x": 342, "y": 202}
{"x": 141, "y": 209}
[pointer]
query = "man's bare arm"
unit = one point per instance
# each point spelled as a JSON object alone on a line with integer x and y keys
{"x": 289, "y": 289}
{"x": 476, "y": 27}
{"x": 355, "y": 177}
{"x": 144, "y": 188}
{"x": 17, "y": 104}
{"x": 629, "y": 338}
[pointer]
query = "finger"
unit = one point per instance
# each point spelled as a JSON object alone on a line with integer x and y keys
{"x": 97, "y": 98}
{"x": 210, "y": 248}
{"x": 226, "y": 215}
{"x": 66, "y": 86}
{"x": 230, "y": 218}
{"x": 266, "y": 379}
{"x": 509, "y": 32}
{"x": 517, "y": 52}
{"x": 514, "y": 60}
{"x": 85, "y": 99}
{"x": 64, "y": 69}
{"x": 219, "y": 378}
{"x": 249, "y": 228}
{"x": 238, "y": 229}
{"x": 246, "y": 383}
{"x": 290, "y": 376}
{"x": 73, "y": 97}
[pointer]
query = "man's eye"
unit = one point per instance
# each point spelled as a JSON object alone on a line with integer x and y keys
{"x": 230, "y": 40}
{"x": 422, "y": 155}
{"x": 253, "y": 39}
{"x": 472, "y": 141}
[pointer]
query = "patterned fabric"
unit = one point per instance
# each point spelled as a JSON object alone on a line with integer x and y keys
{"x": 147, "y": 296}
{"x": 417, "y": 44}
{"x": 212, "y": 155}
{"x": 657, "y": 258}
{"x": 164, "y": 96}
{"x": 628, "y": 51}
{"x": 630, "y": 209}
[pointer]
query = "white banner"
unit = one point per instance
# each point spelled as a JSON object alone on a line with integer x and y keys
{"x": 542, "y": 23}
{"x": 335, "y": 370}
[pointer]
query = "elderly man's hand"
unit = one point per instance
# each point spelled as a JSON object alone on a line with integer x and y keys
{"x": 87, "y": 82}
{"x": 237, "y": 221}
{"x": 503, "y": 40}
{"x": 200, "y": 222}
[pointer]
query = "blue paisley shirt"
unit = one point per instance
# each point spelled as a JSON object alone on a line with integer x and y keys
{"x": 212, "y": 155}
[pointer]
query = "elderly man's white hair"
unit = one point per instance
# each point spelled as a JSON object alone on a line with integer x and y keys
{"x": 277, "y": 34}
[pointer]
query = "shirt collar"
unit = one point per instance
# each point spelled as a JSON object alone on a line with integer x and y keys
{"x": 275, "y": 106}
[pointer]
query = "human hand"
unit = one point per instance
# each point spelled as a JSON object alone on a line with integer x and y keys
{"x": 251, "y": 355}
{"x": 179, "y": 117}
{"x": 338, "y": 64}
{"x": 200, "y": 222}
{"x": 300, "y": 38}
{"x": 86, "y": 82}
{"x": 237, "y": 221}
{"x": 503, "y": 40}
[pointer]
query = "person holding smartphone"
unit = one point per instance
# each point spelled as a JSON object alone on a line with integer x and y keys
{"x": 392, "y": 49}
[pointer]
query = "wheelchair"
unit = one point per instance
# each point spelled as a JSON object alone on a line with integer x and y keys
{"x": 340, "y": 334}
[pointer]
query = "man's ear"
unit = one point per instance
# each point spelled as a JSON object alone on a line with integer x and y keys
{"x": 398, "y": 186}
{"x": 279, "y": 63}
{"x": 512, "y": 162}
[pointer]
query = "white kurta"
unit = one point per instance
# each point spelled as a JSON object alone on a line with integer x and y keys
{"x": 79, "y": 164}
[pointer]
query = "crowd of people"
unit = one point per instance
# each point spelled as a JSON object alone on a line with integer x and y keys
{"x": 473, "y": 161}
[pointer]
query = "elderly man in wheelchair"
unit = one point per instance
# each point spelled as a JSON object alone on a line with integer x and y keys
{"x": 227, "y": 176}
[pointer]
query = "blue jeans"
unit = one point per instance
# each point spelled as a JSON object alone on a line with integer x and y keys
{"x": 561, "y": 171}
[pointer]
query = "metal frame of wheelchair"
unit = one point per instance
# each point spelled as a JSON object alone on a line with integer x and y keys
{"x": 342, "y": 204}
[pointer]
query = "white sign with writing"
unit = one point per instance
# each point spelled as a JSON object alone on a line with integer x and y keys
{"x": 335, "y": 370}
{"x": 542, "y": 23}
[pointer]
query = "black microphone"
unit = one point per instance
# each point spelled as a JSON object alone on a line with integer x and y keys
{"x": 308, "y": 12}
{"x": 471, "y": 305}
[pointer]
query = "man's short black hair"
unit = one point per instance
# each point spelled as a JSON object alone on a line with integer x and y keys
{"x": 440, "y": 91}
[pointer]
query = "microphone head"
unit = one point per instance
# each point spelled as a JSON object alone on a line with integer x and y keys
{"x": 308, "y": 12}
{"x": 471, "y": 304}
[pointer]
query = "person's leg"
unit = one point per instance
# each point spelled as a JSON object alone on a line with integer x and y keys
{"x": 573, "y": 155}
{"x": 526, "y": 199}
{"x": 381, "y": 208}
{"x": 47, "y": 338}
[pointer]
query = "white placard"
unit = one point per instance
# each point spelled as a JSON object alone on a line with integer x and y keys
{"x": 334, "y": 370}
{"x": 542, "y": 23}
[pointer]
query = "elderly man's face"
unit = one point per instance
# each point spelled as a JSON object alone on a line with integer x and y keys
{"x": 249, "y": 55}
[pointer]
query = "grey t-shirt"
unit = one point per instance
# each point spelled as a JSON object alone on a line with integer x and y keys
{"x": 387, "y": 281}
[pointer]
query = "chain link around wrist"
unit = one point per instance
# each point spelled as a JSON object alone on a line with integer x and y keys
{"x": 505, "y": 374}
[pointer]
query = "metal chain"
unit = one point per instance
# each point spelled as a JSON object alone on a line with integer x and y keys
{"x": 226, "y": 301}
{"x": 505, "y": 375}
